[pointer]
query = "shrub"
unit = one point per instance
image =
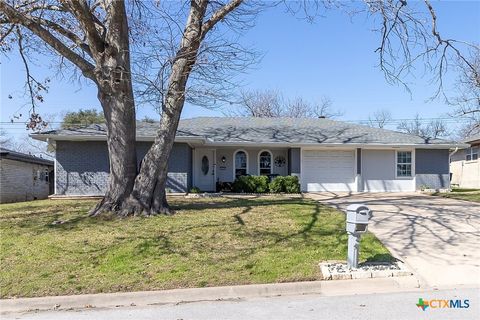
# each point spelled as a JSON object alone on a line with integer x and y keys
{"x": 288, "y": 184}
{"x": 251, "y": 184}
{"x": 195, "y": 190}
{"x": 291, "y": 184}
{"x": 277, "y": 185}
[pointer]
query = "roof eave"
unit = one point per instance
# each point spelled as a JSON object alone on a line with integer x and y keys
{"x": 46, "y": 137}
{"x": 197, "y": 139}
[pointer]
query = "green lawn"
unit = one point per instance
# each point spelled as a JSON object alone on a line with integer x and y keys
{"x": 209, "y": 242}
{"x": 462, "y": 194}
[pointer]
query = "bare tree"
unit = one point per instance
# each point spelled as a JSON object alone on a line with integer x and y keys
{"x": 97, "y": 39}
{"x": 272, "y": 104}
{"x": 467, "y": 100}
{"x": 113, "y": 43}
{"x": 5, "y": 139}
{"x": 256, "y": 103}
{"x": 380, "y": 118}
{"x": 428, "y": 130}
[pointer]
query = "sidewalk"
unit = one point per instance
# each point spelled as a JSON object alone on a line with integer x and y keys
{"x": 149, "y": 298}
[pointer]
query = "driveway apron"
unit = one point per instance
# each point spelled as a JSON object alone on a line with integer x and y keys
{"x": 439, "y": 238}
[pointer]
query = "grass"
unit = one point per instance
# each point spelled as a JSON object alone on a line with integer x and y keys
{"x": 464, "y": 190}
{"x": 462, "y": 194}
{"x": 209, "y": 242}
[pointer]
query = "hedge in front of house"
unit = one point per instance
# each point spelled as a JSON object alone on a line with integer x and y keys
{"x": 287, "y": 184}
{"x": 251, "y": 184}
{"x": 260, "y": 184}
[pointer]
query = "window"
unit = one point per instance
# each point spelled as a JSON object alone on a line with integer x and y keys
{"x": 472, "y": 154}
{"x": 240, "y": 164}
{"x": 205, "y": 165}
{"x": 265, "y": 163}
{"x": 404, "y": 163}
{"x": 46, "y": 175}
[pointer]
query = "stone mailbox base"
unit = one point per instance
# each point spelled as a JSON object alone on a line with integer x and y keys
{"x": 340, "y": 271}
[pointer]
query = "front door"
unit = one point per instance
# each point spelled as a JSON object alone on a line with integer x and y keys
{"x": 204, "y": 169}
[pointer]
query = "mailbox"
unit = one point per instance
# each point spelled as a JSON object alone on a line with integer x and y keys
{"x": 358, "y": 216}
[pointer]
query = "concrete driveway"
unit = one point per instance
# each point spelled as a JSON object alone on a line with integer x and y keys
{"x": 439, "y": 238}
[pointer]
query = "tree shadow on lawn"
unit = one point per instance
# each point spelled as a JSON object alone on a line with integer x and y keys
{"x": 253, "y": 238}
{"x": 53, "y": 220}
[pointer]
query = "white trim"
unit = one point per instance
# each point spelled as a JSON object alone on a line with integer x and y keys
{"x": 258, "y": 160}
{"x": 412, "y": 173}
{"x": 194, "y": 174}
{"x": 55, "y": 175}
{"x": 214, "y": 170}
{"x": 301, "y": 169}
{"x": 235, "y": 162}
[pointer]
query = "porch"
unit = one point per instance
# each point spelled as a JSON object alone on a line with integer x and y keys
{"x": 214, "y": 166}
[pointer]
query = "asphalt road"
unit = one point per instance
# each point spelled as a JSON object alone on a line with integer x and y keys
{"x": 369, "y": 306}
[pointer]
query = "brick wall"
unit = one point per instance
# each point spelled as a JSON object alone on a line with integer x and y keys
{"x": 19, "y": 181}
{"x": 432, "y": 168}
{"x": 82, "y": 168}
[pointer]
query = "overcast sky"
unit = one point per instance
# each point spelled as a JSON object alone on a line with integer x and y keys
{"x": 332, "y": 57}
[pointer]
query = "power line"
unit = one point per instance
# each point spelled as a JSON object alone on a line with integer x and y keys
{"x": 446, "y": 119}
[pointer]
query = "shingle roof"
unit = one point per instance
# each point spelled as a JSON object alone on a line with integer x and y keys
{"x": 473, "y": 138}
{"x": 270, "y": 130}
{"x": 13, "y": 155}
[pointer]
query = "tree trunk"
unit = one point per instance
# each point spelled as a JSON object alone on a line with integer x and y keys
{"x": 148, "y": 195}
{"x": 120, "y": 119}
{"x": 115, "y": 93}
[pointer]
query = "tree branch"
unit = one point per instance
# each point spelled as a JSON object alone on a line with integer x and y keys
{"x": 66, "y": 33}
{"x": 219, "y": 15}
{"x": 16, "y": 17}
{"x": 86, "y": 18}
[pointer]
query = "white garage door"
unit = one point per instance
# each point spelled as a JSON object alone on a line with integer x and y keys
{"x": 328, "y": 171}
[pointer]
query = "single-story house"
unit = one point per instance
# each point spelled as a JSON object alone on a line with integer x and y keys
{"x": 465, "y": 164}
{"x": 24, "y": 177}
{"x": 326, "y": 155}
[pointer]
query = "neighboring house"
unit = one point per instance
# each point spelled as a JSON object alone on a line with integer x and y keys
{"x": 465, "y": 165}
{"x": 24, "y": 177}
{"x": 326, "y": 155}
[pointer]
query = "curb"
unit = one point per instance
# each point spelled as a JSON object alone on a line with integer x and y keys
{"x": 175, "y": 296}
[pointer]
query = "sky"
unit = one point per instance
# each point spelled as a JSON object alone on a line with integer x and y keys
{"x": 333, "y": 57}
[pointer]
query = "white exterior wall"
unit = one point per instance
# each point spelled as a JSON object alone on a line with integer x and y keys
{"x": 465, "y": 174}
{"x": 19, "y": 182}
{"x": 379, "y": 172}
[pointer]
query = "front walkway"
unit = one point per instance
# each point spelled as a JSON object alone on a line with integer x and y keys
{"x": 438, "y": 237}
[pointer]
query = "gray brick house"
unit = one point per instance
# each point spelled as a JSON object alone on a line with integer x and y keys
{"x": 326, "y": 155}
{"x": 24, "y": 177}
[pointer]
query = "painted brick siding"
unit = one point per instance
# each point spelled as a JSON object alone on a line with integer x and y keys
{"x": 19, "y": 181}
{"x": 82, "y": 168}
{"x": 432, "y": 169}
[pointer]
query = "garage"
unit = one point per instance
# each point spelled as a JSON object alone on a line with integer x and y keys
{"x": 324, "y": 170}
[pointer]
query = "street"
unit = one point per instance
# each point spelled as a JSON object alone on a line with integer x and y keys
{"x": 367, "y": 306}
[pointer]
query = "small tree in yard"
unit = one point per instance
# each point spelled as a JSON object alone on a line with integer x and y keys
{"x": 170, "y": 52}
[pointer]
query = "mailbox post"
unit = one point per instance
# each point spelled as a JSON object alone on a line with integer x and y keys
{"x": 358, "y": 216}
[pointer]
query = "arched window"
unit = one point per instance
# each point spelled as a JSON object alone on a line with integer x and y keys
{"x": 240, "y": 163}
{"x": 265, "y": 163}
